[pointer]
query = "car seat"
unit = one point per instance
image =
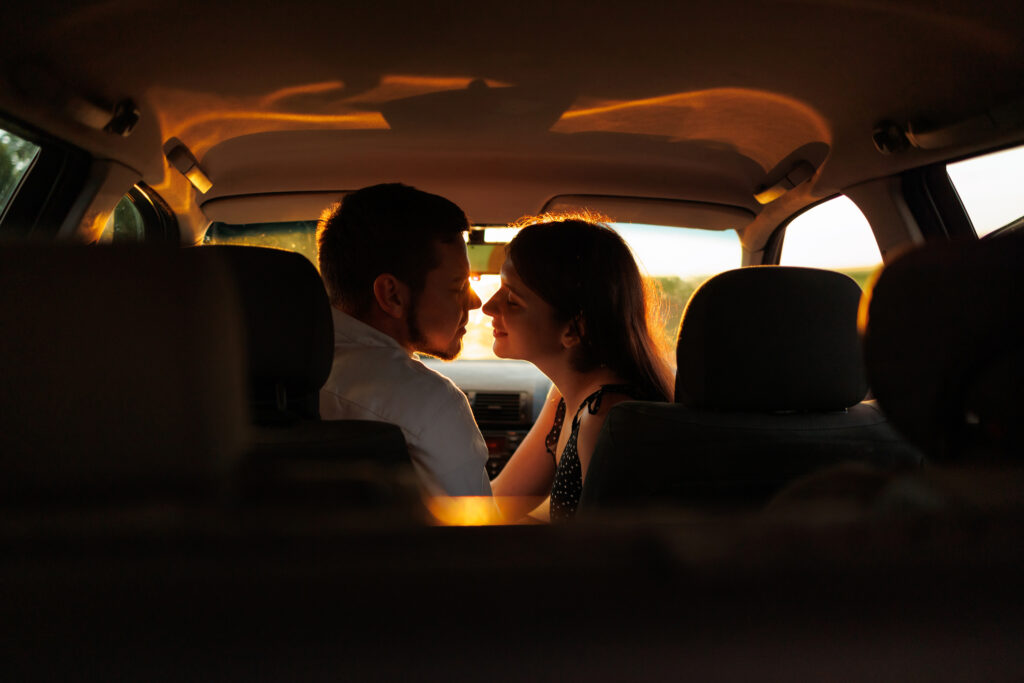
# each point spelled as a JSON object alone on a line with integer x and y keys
{"x": 123, "y": 375}
{"x": 769, "y": 387}
{"x": 293, "y": 456}
{"x": 944, "y": 347}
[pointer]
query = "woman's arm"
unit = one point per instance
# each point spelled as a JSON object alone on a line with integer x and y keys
{"x": 525, "y": 482}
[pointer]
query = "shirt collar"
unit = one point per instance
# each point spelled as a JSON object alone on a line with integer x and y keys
{"x": 349, "y": 330}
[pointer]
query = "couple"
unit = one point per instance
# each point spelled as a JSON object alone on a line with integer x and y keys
{"x": 572, "y": 302}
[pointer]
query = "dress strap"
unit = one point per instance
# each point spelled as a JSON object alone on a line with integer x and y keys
{"x": 551, "y": 440}
{"x": 593, "y": 402}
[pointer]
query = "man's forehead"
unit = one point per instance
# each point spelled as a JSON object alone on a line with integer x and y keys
{"x": 452, "y": 257}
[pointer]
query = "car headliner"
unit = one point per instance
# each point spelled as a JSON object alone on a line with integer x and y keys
{"x": 502, "y": 107}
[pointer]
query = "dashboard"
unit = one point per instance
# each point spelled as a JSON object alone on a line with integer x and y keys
{"x": 506, "y": 397}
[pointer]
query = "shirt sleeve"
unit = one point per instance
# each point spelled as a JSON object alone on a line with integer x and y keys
{"x": 450, "y": 454}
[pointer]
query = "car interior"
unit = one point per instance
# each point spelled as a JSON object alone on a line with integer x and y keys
{"x": 827, "y": 197}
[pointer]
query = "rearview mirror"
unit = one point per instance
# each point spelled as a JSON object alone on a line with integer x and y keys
{"x": 485, "y": 259}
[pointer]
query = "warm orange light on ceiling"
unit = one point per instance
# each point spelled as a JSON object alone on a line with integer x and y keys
{"x": 202, "y": 120}
{"x": 368, "y": 119}
{"x": 308, "y": 89}
{"x": 761, "y": 125}
{"x": 399, "y": 86}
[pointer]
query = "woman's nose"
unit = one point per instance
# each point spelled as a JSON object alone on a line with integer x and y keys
{"x": 491, "y": 307}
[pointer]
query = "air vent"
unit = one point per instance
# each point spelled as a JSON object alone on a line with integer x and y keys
{"x": 494, "y": 407}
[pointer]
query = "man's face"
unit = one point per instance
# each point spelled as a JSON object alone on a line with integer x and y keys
{"x": 439, "y": 315}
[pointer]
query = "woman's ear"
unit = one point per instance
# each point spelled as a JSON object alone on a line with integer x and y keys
{"x": 573, "y": 332}
{"x": 392, "y": 295}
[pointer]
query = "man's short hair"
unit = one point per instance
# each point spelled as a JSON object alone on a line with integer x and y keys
{"x": 390, "y": 228}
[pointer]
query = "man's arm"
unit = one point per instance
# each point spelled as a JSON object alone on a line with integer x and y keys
{"x": 450, "y": 451}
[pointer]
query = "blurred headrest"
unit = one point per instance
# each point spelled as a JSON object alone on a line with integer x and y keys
{"x": 289, "y": 329}
{"x": 118, "y": 363}
{"x": 771, "y": 338}
{"x": 944, "y": 346}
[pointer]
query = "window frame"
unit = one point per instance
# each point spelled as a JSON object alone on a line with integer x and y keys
{"x": 159, "y": 223}
{"x": 47, "y": 192}
{"x": 930, "y": 195}
{"x": 935, "y": 204}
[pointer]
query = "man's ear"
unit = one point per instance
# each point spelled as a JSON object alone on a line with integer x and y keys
{"x": 392, "y": 295}
{"x": 573, "y": 332}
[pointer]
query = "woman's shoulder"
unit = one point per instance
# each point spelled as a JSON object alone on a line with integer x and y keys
{"x": 604, "y": 398}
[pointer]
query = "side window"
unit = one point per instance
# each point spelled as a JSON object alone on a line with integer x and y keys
{"x": 834, "y": 235}
{"x": 991, "y": 188}
{"x": 16, "y": 157}
{"x": 124, "y": 224}
{"x": 140, "y": 216}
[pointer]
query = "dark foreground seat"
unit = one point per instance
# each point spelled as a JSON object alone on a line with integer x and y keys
{"x": 944, "y": 347}
{"x": 293, "y": 455}
{"x": 122, "y": 374}
{"x": 769, "y": 387}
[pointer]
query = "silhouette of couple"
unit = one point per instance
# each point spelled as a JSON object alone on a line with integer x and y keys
{"x": 572, "y": 302}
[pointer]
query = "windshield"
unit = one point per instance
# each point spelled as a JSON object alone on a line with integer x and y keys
{"x": 676, "y": 259}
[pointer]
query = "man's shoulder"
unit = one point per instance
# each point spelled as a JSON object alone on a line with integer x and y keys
{"x": 435, "y": 380}
{"x": 391, "y": 366}
{"x": 394, "y": 386}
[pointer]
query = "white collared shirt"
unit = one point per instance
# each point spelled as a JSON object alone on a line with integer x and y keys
{"x": 374, "y": 378}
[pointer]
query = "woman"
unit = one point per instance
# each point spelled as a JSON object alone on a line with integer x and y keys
{"x": 573, "y": 303}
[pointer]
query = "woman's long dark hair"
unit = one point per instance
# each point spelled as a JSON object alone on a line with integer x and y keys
{"x": 587, "y": 273}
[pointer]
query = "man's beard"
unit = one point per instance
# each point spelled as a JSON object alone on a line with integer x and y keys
{"x": 419, "y": 342}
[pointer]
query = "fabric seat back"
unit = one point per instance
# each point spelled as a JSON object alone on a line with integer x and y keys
{"x": 122, "y": 371}
{"x": 769, "y": 387}
{"x": 293, "y": 456}
{"x": 944, "y": 345}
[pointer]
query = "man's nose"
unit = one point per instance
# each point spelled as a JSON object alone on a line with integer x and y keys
{"x": 474, "y": 300}
{"x": 489, "y": 307}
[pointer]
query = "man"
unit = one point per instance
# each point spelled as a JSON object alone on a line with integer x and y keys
{"x": 395, "y": 266}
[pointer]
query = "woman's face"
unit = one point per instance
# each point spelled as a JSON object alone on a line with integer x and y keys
{"x": 525, "y": 326}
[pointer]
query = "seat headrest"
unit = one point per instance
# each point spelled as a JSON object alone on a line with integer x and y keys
{"x": 119, "y": 363}
{"x": 289, "y": 328}
{"x": 944, "y": 346}
{"x": 771, "y": 338}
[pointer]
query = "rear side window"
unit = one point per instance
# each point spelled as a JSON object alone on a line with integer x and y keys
{"x": 16, "y": 157}
{"x": 833, "y": 235}
{"x": 991, "y": 188}
{"x": 125, "y": 224}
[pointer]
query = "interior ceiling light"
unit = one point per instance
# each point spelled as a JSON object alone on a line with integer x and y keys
{"x": 182, "y": 159}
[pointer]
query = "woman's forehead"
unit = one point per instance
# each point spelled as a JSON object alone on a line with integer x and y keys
{"x": 510, "y": 276}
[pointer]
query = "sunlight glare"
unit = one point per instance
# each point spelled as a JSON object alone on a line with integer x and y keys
{"x": 464, "y": 510}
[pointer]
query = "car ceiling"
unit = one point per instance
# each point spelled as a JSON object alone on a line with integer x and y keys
{"x": 503, "y": 106}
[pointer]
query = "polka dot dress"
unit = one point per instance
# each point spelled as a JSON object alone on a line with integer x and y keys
{"x": 568, "y": 483}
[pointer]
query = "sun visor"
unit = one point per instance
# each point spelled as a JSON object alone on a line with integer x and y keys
{"x": 677, "y": 213}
